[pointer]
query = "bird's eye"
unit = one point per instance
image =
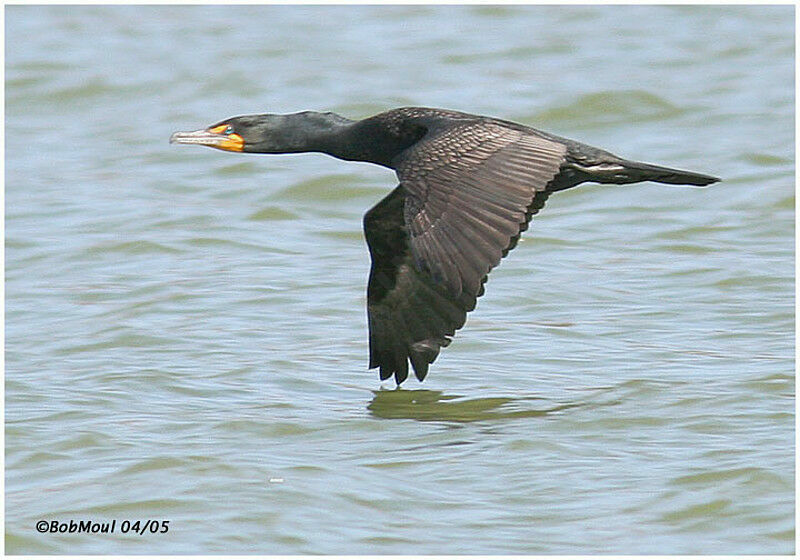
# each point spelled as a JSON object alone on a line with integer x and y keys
{"x": 229, "y": 130}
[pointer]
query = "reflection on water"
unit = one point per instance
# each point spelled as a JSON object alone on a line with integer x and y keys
{"x": 426, "y": 405}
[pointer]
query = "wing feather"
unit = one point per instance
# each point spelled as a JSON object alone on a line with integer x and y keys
{"x": 467, "y": 191}
{"x": 410, "y": 315}
{"x": 474, "y": 180}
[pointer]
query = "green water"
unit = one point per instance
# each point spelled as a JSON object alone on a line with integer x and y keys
{"x": 186, "y": 332}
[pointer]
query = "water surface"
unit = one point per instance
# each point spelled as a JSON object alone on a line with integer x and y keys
{"x": 185, "y": 328}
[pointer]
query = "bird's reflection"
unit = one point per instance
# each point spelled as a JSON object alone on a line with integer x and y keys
{"x": 426, "y": 405}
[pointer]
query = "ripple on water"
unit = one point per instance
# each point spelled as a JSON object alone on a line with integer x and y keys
{"x": 766, "y": 160}
{"x": 138, "y": 247}
{"x": 610, "y": 107}
{"x": 242, "y": 168}
{"x": 336, "y": 187}
{"x": 272, "y": 213}
{"x": 83, "y": 93}
{"x": 702, "y": 511}
{"x": 266, "y": 429}
{"x": 747, "y": 475}
{"x": 128, "y": 340}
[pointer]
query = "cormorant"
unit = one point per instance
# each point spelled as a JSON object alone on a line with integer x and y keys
{"x": 468, "y": 188}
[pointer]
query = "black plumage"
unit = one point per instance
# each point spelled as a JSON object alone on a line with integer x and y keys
{"x": 469, "y": 186}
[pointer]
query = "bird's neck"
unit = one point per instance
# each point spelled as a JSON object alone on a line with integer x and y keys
{"x": 368, "y": 140}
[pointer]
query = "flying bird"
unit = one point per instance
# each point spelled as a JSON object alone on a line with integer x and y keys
{"x": 469, "y": 186}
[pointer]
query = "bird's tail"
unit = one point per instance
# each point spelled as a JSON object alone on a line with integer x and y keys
{"x": 639, "y": 171}
{"x": 623, "y": 171}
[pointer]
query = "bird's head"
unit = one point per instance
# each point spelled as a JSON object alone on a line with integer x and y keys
{"x": 264, "y": 134}
{"x": 236, "y": 134}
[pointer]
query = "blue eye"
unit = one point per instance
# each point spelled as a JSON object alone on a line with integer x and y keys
{"x": 229, "y": 130}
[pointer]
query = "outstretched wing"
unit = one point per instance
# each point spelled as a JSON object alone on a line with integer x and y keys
{"x": 469, "y": 190}
{"x": 411, "y": 316}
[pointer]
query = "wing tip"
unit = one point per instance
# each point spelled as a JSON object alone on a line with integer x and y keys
{"x": 421, "y": 354}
